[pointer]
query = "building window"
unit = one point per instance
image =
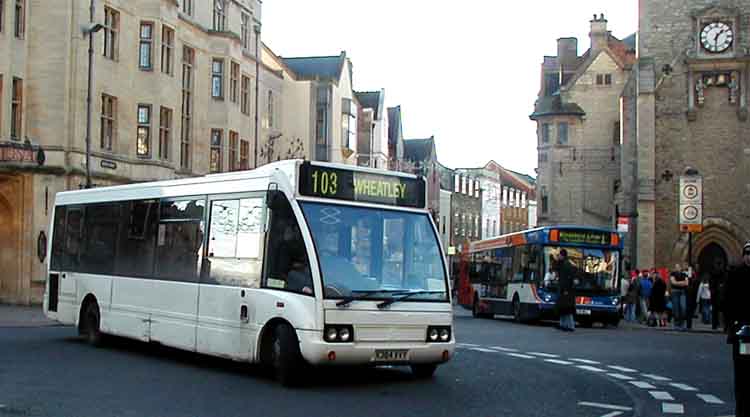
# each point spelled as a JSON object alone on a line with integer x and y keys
{"x": 111, "y": 27}
{"x": 545, "y": 133}
{"x": 217, "y": 78}
{"x": 244, "y": 154}
{"x": 20, "y": 27}
{"x": 165, "y": 132}
{"x": 234, "y": 82}
{"x": 599, "y": 79}
{"x": 145, "y": 55}
{"x": 108, "y": 127}
{"x": 545, "y": 201}
{"x": 187, "y": 7}
{"x": 562, "y": 133}
{"x": 219, "y": 15}
{"x": 607, "y": 79}
{"x": 245, "y": 32}
{"x": 321, "y": 123}
{"x": 234, "y": 137}
{"x": 2, "y": 14}
{"x": 16, "y": 109}
{"x": 143, "y": 142}
{"x": 245, "y": 95}
{"x": 167, "y": 50}
{"x": 616, "y": 134}
{"x": 349, "y": 123}
{"x": 216, "y": 154}
{"x": 188, "y": 60}
{"x": 269, "y": 103}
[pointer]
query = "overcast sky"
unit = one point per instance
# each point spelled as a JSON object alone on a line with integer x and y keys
{"x": 465, "y": 71}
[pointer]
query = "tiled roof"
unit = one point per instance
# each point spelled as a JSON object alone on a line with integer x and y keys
{"x": 622, "y": 51}
{"x": 325, "y": 67}
{"x": 630, "y": 42}
{"x": 554, "y": 106}
{"x": 370, "y": 100}
{"x": 418, "y": 149}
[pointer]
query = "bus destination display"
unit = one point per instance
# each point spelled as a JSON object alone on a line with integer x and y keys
{"x": 364, "y": 187}
{"x": 587, "y": 237}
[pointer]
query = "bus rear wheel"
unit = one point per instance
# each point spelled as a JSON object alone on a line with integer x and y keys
{"x": 285, "y": 355}
{"x": 91, "y": 322}
{"x": 424, "y": 371}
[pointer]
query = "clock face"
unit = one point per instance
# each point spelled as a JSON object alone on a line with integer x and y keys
{"x": 717, "y": 37}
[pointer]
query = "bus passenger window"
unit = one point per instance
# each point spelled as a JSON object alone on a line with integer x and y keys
{"x": 287, "y": 265}
{"x": 73, "y": 240}
{"x": 135, "y": 249}
{"x": 58, "y": 238}
{"x": 180, "y": 239}
{"x": 234, "y": 242}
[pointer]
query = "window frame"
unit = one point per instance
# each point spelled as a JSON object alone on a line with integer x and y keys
{"x": 165, "y": 132}
{"x": 16, "y": 110}
{"x": 217, "y": 75}
{"x": 245, "y": 33}
{"x": 218, "y": 147}
{"x": 146, "y": 42}
{"x": 167, "y": 50}
{"x": 563, "y": 139}
{"x": 244, "y": 154}
{"x": 2, "y": 15}
{"x": 187, "y": 7}
{"x": 546, "y": 132}
{"x": 220, "y": 15}
{"x": 245, "y": 94}
{"x": 234, "y": 81}
{"x": 111, "y": 33}
{"x": 234, "y": 139}
{"x": 146, "y": 126}
{"x": 108, "y": 122}
{"x": 186, "y": 115}
{"x": 19, "y": 25}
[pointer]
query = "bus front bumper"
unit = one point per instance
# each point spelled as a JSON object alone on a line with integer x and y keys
{"x": 318, "y": 352}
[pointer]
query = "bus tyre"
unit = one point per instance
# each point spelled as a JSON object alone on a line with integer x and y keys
{"x": 91, "y": 322}
{"x": 424, "y": 371}
{"x": 517, "y": 310}
{"x": 475, "y": 309}
{"x": 286, "y": 357}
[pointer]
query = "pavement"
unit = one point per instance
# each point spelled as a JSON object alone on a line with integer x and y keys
{"x": 23, "y": 316}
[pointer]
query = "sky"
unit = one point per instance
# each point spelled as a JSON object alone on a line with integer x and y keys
{"x": 465, "y": 71}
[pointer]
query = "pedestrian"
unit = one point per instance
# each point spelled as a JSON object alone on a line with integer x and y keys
{"x": 630, "y": 300}
{"x": 704, "y": 299}
{"x": 644, "y": 292}
{"x": 692, "y": 296}
{"x": 566, "y": 300}
{"x": 737, "y": 315}
{"x": 679, "y": 282}
{"x": 624, "y": 288}
{"x": 716, "y": 284}
{"x": 658, "y": 301}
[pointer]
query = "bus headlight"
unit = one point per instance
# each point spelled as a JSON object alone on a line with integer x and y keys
{"x": 331, "y": 334}
{"x": 615, "y": 301}
{"x": 339, "y": 333}
{"x": 438, "y": 334}
{"x": 344, "y": 335}
{"x": 547, "y": 298}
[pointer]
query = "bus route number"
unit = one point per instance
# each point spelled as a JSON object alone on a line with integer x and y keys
{"x": 325, "y": 183}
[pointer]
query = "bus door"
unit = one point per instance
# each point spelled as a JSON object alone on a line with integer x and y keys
{"x": 231, "y": 269}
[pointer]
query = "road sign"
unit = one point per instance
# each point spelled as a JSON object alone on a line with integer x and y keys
{"x": 622, "y": 224}
{"x": 691, "y": 203}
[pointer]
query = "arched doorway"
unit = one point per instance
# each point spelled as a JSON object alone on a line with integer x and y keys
{"x": 9, "y": 254}
{"x": 712, "y": 256}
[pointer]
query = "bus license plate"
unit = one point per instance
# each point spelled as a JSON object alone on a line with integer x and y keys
{"x": 391, "y": 355}
{"x": 744, "y": 348}
{"x": 583, "y": 311}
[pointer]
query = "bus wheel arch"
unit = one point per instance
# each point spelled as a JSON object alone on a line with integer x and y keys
{"x": 89, "y": 320}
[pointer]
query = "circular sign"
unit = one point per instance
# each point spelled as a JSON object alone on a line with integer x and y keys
{"x": 690, "y": 191}
{"x": 690, "y": 213}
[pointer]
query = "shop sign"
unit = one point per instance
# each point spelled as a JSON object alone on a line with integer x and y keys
{"x": 18, "y": 153}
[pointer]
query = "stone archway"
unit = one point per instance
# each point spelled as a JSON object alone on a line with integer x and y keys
{"x": 10, "y": 228}
{"x": 716, "y": 232}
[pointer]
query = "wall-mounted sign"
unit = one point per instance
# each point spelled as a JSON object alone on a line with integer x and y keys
{"x": 108, "y": 164}
{"x": 622, "y": 224}
{"x": 21, "y": 153}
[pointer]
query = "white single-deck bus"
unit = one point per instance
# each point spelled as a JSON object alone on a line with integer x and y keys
{"x": 289, "y": 263}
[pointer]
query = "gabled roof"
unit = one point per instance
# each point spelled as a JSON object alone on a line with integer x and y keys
{"x": 630, "y": 42}
{"x": 317, "y": 67}
{"x": 372, "y": 100}
{"x": 419, "y": 149}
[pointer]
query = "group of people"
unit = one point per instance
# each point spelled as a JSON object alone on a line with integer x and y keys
{"x": 655, "y": 299}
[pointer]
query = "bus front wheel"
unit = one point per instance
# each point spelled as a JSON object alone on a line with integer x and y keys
{"x": 91, "y": 324}
{"x": 286, "y": 357}
{"x": 424, "y": 371}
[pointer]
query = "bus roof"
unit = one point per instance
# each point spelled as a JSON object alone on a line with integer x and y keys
{"x": 541, "y": 235}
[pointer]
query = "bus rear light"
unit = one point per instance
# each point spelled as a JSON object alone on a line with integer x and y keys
{"x": 331, "y": 356}
{"x": 554, "y": 235}
{"x": 615, "y": 239}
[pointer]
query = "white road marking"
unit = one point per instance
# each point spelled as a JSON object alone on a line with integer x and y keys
{"x": 590, "y": 362}
{"x": 466, "y": 345}
{"x": 478, "y": 349}
{"x": 657, "y": 377}
{"x": 641, "y": 384}
{"x": 683, "y": 387}
{"x": 711, "y": 399}
{"x": 672, "y": 408}
{"x": 605, "y": 406}
{"x": 519, "y": 355}
{"x": 614, "y": 414}
{"x": 621, "y": 376}
{"x": 558, "y": 361}
{"x": 504, "y": 349}
{"x": 661, "y": 395}
{"x": 590, "y": 368}
{"x": 544, "y": 355}
{"x": 621, "y": 369}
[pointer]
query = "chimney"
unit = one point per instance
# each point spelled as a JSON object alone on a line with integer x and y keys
{"x": 599, "y": 34}
{"x": 567, "y": 52}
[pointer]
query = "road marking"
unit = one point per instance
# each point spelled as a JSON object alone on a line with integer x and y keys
{"x": 657, "y": 377}
{"x": 504, "y": 349}
{"x": 672, "y": 408}
{"x": 661, "y": 395}
{"x": 621, "y": 376}
{"x": 621, "y": 369}
{"x": 683, "y": 387}
{"x": 478, "y": 349}
{"x": 590, "y": 362}
{"x": 544, "y": 355}
{"x": 466, "y": 345}
{"x": 558, "y": 361}
{"x": 614, "y": 414}
{"x": 711, "y": 399}
{"x": 605, "y": 406}
{"x": 641, "y": 384}
{"x": 590, "y": 368}
{"x": 519, "y": 355}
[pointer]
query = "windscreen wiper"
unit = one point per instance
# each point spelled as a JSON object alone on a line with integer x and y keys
{"x": 405, "y": 295}
{"x": 362, "y": 295}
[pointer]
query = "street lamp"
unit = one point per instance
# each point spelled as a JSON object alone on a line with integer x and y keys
{"x": 89, "y": 31}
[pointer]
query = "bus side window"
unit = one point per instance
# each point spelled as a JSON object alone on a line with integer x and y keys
{"x": 287, "y": 266}
{"x": 73, "y": 239}
{"x": 58, "y": 239}
{"x": 180, "y": 239}
{"x": 102, "y": 228}
{"x": 137, "y": 242}
{"x": 518, "y": 264}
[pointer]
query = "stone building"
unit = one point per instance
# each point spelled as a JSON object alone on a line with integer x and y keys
{"x": 420, "y": 158}
{"x": 688, "y": 107}
{"x": 578, "y": 128}
{"x": 395, "y": 139}
{"x": 372, "y": 143}
{"x": 178, "y": 90}
{"x": 466, "y": 213}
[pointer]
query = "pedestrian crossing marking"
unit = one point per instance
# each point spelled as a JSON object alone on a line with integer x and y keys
{"x": 672, "y": 408}
{"x": 661, "y": 395}
{"x": 559, "y": 362}
{"x": 589, "y": 368}
{"x": 587, "y": 361}
{"x": 621, "y": 369}
{"x": 479, "y": 349}
{"x": 544, "y": 355}
{"x": 657, "y": 377}
{"x": 614, "y": 414}
{"x": 504, "y": 349}
{"x": 710, "y": 399}
{"x": 605, "y": 406}
{"x": 683, "y": 387}
{"x": 641, "y": 384}
{"x": 519, "y": 355}
{"x": 621, "y": 376}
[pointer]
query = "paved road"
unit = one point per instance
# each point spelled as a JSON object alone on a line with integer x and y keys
{"x": 501, "y": 369}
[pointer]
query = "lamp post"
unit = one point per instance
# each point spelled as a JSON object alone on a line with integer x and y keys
{"x": 89, "y": 31}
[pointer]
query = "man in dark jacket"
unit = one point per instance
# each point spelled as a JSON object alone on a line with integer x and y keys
{"x": 737, "y": 315}
{"x": 566, "y": 302}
